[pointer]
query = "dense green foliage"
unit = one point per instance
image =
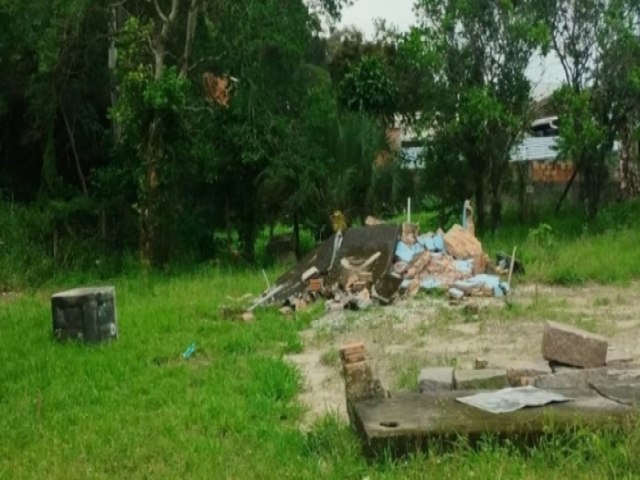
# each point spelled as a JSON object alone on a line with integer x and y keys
{"x": 179, "y": 130}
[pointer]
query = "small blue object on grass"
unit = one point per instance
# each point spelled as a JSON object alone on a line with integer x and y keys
{"x": 191, "y": 349}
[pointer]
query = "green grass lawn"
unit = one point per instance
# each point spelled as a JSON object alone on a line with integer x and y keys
{"x": 135, "y": 409}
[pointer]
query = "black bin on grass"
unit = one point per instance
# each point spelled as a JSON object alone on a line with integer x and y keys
{"x": 87, "y": 314}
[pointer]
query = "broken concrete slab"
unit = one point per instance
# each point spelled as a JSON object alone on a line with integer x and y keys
{"x": 571, "y": 378}
{"x": 523, "y": 372}
{"x": 480, "y": 379}
{"x": 435, "y": 378}
{"x": 571, "y": 346}
{"x": 386, "y": 287}
{"x": 356, "y": 243}
{"x": 624, "y": 392}
{"x": 406, "y": 423}
{"x": 616, "y": 356}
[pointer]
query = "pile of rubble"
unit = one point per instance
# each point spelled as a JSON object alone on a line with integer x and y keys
{"x": 572, "y": 358}
{"x": 380, "y": 262}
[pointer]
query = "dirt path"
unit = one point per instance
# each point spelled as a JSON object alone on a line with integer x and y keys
{"x": 412, "y": 334}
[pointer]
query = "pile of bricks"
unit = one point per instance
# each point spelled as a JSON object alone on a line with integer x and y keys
{"x": 360, "y": 383}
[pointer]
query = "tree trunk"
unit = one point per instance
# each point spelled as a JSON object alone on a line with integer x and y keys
{"x": 627, "y": 168}
{"x": 150, "y": 208}
{"x": 496, "y": 211}
{"x": 566, "y": 189}
{"x": 296, "y": 235}
{"x": 479, "y": 195}
{"x": 74, "y": 151}
{"x": 112, "y": 62}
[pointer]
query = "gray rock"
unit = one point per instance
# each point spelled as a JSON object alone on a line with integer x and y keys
{"x": 572, "y": 346}
{"x": 523, "y": 372}
{"x": 435, "y": 378}
{"x": 571, "y": 378}
{"x": 88, "y": 314}
{"x": 480, "y": 379}
{"x": 616, "y": 356}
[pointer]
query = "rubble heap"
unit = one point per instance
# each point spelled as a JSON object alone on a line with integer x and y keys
{"x": 380, "y": 262}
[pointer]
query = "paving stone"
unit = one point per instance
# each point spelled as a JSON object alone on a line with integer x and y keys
{"x": 616, "y": 356}
{"x": 572, "y": 346}
{"x": 480, "y": 379}
{"x": 435, "y": 378}
{"x": 523, "y": 372}
{"x": 572, "y": 378}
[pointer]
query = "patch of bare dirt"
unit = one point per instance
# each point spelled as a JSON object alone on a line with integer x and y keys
{"x": 415, "y": 333}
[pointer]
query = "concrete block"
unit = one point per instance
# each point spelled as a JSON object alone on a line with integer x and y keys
{"x": 523, "y": 372}
{"x": 435, "y": 378}
{"x": 572, "y": 346}
{"x": 571, "y": 378}
{"x": 480, "y": 379}
{"x": 617, "y": 356}
{"x": 87, "y": 314}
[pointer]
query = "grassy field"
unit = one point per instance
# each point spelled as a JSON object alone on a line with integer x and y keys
{"x": 136, "y": 409}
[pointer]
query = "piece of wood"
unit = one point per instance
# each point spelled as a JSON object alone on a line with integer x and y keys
{"x": 370, "y": 260}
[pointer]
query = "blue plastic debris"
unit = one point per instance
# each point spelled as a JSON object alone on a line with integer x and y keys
{"x": 406, "y": 252}
{"x": 430, "y": 283}
{"x": 191, "y": 349}
{"x": 464, "y": 266}
{"x": 433, "y": 243}
{"x": 498, "y": 288}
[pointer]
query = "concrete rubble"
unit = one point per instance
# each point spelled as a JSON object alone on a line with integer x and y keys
{"x": 378, "y": 263}
{"x": 587, "y": 362}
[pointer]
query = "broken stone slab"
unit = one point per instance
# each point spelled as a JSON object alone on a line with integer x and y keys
{"x": 480, "y": 379}
{"x": 435, "y": 378}
{"x": 581, "y": 378}
{"x": 571, "y": 378}
{"x": 386, "y": 287}
{"x": 572, "y": 346}
{"x": 523, "y": 372}
{"x": 624, "y": 393}
{"x": 617, "y": 356}
{"x": 406, "y": 423}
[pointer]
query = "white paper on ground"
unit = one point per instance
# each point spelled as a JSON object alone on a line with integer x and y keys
{"x": 512, "y": 399}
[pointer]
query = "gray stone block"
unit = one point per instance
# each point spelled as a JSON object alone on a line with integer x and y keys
{"x": 571, "y": 378}
{"x": 572, "y": 346}
{"x": 432, "y": 379}
{"x": 523, "y": 372}
{"x": 582, "y": 378}
{"x": 489, "y": 379}
{"x": 85, "y": 313}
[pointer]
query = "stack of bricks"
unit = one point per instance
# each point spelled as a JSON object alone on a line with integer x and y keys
{"x": 314, "y": 285}
{"x": 360, "y": 383}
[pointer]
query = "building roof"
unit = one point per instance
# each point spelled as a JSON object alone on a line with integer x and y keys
{"x": 540, "y": 149}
